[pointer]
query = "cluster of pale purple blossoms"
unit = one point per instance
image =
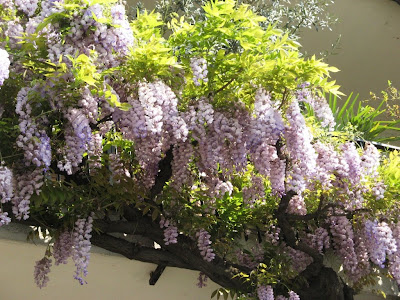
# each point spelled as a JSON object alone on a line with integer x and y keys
{"x": 170, "y": 232}
{"x": 27, "y": 184}
{"x": 394, "y": 259}
{"x": 82, "y": 245}
{"x": 202, "y": 280}
{"x": 360, "y": 248}
{"x": 263, "y": 131}
{"x": 27, "y": 6}
{"x": 154, "y": 123}
{"x": 63, "y": 248}
{"x": 89, "y": 32}
{"x": 34, "y": 142}
{"x": 342, "y": 237}
{"x": 267, "y": 293}
{"x": 297, "y": 206}
{"x": 6, "y": 192}
{"x": 4, "y": 66}
{"x": 6, "y": 184}
{"x": 302, "y": 154}
{"x": 199, "y": 69}
{"x": 76, "y": 244}
{"x": 379, "y": 242}
{"x": 224, "y": 140}
{"x": 204, "y": 245}
{"x": 182, "y": 153}
{"x": 319, "y": 105}
{"x": 254, "y": 192}
{"x": 320, "y": 239}
{"x": 77, "y": 139}
{"x": 41, "y": 272}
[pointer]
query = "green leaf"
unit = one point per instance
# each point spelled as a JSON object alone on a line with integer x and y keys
{"x": 146, "y": 210}
{"x": 155, "y": 214}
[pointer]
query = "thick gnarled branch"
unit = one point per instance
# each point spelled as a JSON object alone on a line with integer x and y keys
{"x": 138, "y": 252}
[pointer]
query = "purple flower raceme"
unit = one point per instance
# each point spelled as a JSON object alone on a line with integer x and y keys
{"x": 380, "y": 242}
{"x": 77, "y": 139}
{"x": 28, "y": 183}
{"x": 302, "y": 154}
{"x": 202, "y": 279}
{"x": 360, "y": 247}
{"x": 265, "y": 292}
{"x": 293, "y": 296}
{"x": 7, "y": 3}
{"x": 170, "y": 232}
{"x": 342, "y": 236}
{"x": 4, "y": 219}
{"x": 87, "y": 32}
{"x": 62, "y": 248}
{"x": 267, "y": 124}
{"x": 6, "y": 184}
{"x": 171, "y": 235}
{"x": 89, "y": 105}
{"x": 14, "y": 32}
{"x": 277, "y": 176}
{"x": 182, "y": 154}
{"x": 319, "y": 105}
{"x": 352, "y": 158}
{"x": 4, "y": 66}
{"x": 82, "y": 245}
{"x": 122, "y": 31}
{"x": 328, "y": 161}
{"x": 255, "y": 192}
{"x": 297, "y": 206}
{"x": 95, "y": 151}
{"x": 34, "y": 142}
{"x": 320, "y": 239}
{"x": 394, "y": 265}
{"x": 41, "y": 272}
{"x": 370, "y": 160}
{"x": 203, "y": 243}
{"x": 199, "y": 69}
{"x": 27, "y": 6}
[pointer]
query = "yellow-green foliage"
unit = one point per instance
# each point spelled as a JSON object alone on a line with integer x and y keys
{"x": 241, "y": 53}
{"x": 390, "y": 171}
{"x": 151, "y": 55}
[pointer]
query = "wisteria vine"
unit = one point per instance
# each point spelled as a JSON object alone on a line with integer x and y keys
{"x": 104, "y": 106}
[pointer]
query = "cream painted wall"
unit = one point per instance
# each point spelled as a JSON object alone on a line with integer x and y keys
{"x": 369, "y": 53}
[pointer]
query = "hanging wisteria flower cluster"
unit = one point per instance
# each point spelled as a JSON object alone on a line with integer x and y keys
{"x": 4, "y": 66}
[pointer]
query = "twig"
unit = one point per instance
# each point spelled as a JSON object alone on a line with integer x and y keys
{"x": 223, "y": 87}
